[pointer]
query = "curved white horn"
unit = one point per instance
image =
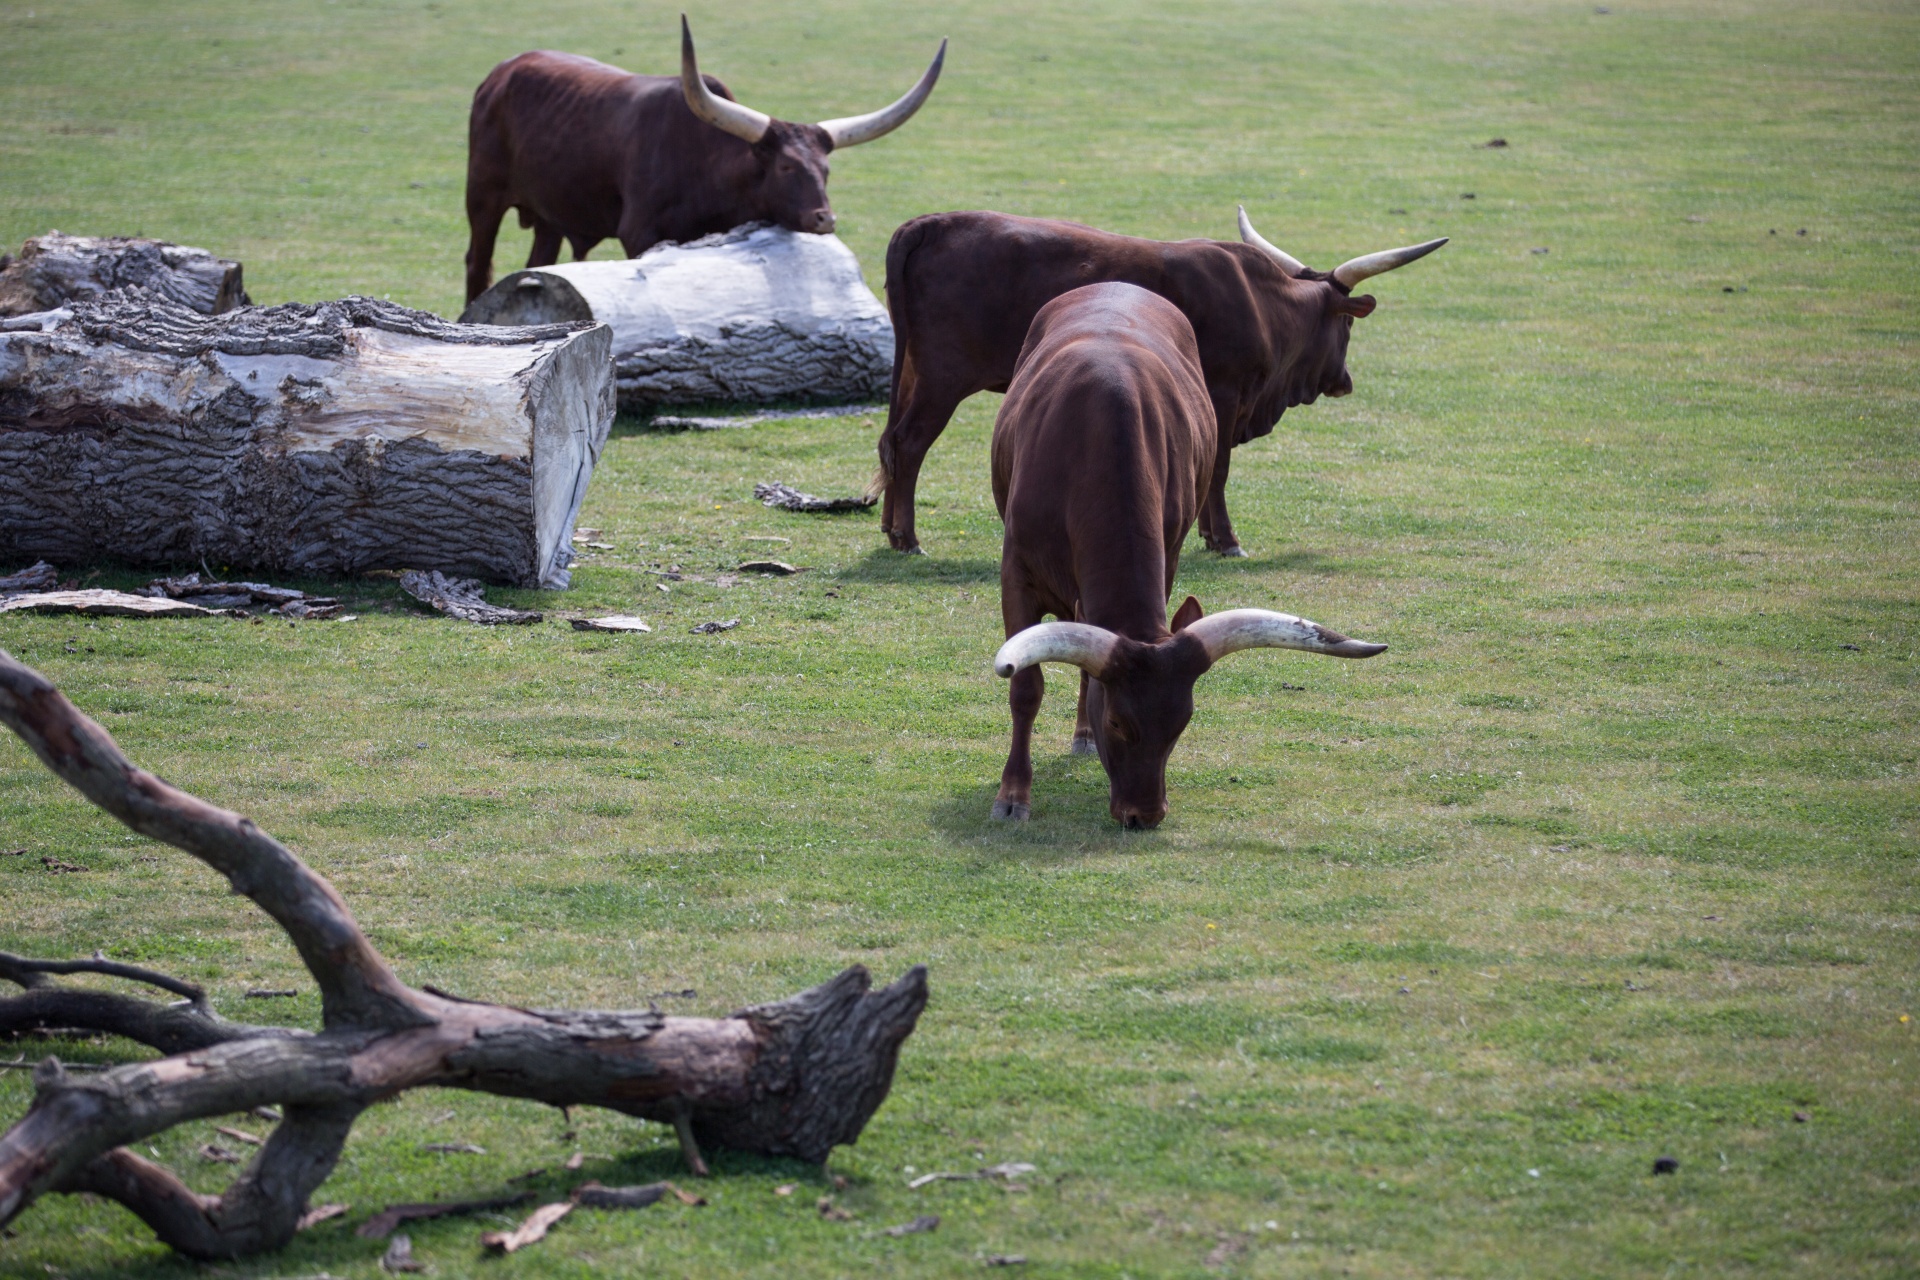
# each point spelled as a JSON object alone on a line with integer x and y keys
{"x": 742, "y": 122}
{"x": 1237, "y": 629}
{"x": 1353, "y": 272}
{"x": 1083, "y": 644}
{"x": 1293, "y": 265}
{"x": 849, "y": 131}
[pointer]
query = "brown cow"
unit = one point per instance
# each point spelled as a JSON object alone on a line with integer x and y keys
{"x": 586, "y": 151}
{"x": 963, "y": 287}
{"x": 1101, "y": 458}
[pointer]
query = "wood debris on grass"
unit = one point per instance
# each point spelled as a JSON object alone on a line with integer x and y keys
{"x": 592, "y": 1195}
{"x": 384, "y": 1223}
{"x": 239, "y": 1135}
{"x": 714, "y": 628}
{"x": 461, "y": 598}
{"x": 788, "y": 498}
{"x": 217, "y": 1154}
{"x": 575, "y": 1160}
{"x": 319, "y": 1214}
{"x": 773, "y": 568}
{"x": 454, "y": 1148}
{"x": 612, "y": 622}
{"x": 1008, "y": 1171}
{"x": 399, "y": 1256}
{"x": 213, "y": 594}
{"x": 59, "y": 868}
{"x": 831, "y": 1211}
{"x": 38, "y": 576}
{"x": 271, "y": 993}
{"x": 97, "y": 603}
{"x": 533, "y": 1229}
{"x": 924, "y": 1223}
{"x": 1004, "y": 1259}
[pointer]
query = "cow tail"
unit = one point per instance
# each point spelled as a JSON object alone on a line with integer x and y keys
{"x": 899, "y": 249}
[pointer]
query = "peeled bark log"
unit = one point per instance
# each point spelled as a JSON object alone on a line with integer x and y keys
{"x": 751, "y": 316}
{"x": 796, "y": 1077}
{"x": 56, "y": 269}
{"x": 324, "y": 439}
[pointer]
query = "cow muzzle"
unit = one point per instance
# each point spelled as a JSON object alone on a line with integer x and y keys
{"x": 820, "y": 222}
{"x": 1135, "y": 817}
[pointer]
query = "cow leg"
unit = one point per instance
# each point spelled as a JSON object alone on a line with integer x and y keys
{"x": 1024, "y": 692}
{"x": 581, "y": 246}
{"x": 1014, "y": 802}
{"x": 914, "y": 421}
{"x": 483, "y": 218}
{"x": 1215, "y": 525}
{"x": 546, "y": 245}
{"x": 1082, "y": 727}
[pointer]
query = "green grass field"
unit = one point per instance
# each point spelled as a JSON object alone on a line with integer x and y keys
{"x": 1611, "y": 857}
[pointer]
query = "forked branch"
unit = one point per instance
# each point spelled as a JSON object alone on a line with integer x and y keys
{"x": 796, "y": 1077}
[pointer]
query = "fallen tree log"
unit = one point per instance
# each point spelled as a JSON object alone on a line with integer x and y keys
{"x": 754, "y": 315}
{"x": 795, "y": 1078}
{"x": 302, "y": 439}
{"x": 56, "y": 269}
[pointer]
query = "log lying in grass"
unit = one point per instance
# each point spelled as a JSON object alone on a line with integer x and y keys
{"x": 796, "y": 1077}
{"x": 323, "y": 439}
{"x": 752, "y": 316}
{"x": 56, "y": 269}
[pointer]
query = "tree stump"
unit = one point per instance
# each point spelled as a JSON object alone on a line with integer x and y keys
{"x": 755, "y": 315}
{"x": 797, "y": 1077}
{"x": 55, "y": 269}
{"x": 300, "y": 439}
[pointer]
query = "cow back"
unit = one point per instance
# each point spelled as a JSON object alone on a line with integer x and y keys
{"x": 1102, "y": 454}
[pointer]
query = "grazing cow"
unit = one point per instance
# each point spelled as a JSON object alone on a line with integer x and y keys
{"x": 1102, "y": 455}
{"x": 586, "y": 151}
{"x": 963, "y": 287}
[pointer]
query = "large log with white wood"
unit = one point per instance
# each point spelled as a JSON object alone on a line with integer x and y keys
{"x": 298, "y": 439}
{"x": 755, "y": 315}
{"x": 56, "y": 269}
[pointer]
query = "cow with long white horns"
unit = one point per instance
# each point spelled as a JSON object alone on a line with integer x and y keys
{"x": 587, "y": 152}
{"x": 1102, "y": 455}
{"x": 963, "y": 287}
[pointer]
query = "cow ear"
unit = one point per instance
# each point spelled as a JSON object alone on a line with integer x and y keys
{"x": 1190, "y": 613}
{"x": 1359, "y": 308}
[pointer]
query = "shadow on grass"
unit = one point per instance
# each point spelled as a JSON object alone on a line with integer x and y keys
{"x": 1070, "y": 817}
{"x": 884, "y": 564}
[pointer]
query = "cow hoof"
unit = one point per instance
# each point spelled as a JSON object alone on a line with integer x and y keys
{"x": 1083, "y": 745}
{"x": 1234, "y": 552}
{"x": 1006, "y": 811}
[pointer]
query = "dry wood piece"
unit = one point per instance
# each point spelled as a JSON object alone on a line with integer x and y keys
{"x": 750, "y": 316}
{"x": 714, "y": 628}
{"x": 534, "y": 1228}
{"x": 774, "y": 568}
{"x": 40, "y": 576}
{"x": 319, "y": 1214}
{"x": 239, "y": 1135}
{"x": 56, "y": 269}
{"x": 689, "y": 422}
{"x": 453, "y": 1148}
{"x": 594, "y": 1196}
{"x": 788, "y": 498}
{"x": 613, "y": 622}
{"x": 383, "y": 1223}
{"x": 100, "y": 603}
{"x": 285, "y": 601}
{"x": 793, "y": 1078}
{"x": 303, "y": 439}
{"x": 399, "y": 1256}
{"x": 461, "y": 598}
{"x": 925, "y": 1222}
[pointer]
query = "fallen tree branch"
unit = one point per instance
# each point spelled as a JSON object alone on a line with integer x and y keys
{"x": 796, "y": 1077}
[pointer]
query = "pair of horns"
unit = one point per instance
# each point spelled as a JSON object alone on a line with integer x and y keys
{"x": 1349, "y": 273}
{"x": 745, "y": 123}
{"x": 1089, "y": 647}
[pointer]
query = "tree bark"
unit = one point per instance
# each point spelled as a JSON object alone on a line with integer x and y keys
{"x": 324, "y": 439}
{"x": 56, "y": 269}
{"x": 754, "y": 315}
{"x": 795, "y": 1078}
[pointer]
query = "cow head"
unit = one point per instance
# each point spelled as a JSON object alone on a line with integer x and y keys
{"x": 1141, "y": 695}
{"x": 1321, "y": 368}
{"x": 791, "y": 159}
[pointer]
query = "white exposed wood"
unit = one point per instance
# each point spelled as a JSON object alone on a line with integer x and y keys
{"x": 103, "y": 604}
{"x": 55, "y": 269}
{"x": 332, "y": 438}
{"x": 754, "y": 315}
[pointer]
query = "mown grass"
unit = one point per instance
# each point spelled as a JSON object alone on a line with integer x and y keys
{"x": 1611, "y": 857}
